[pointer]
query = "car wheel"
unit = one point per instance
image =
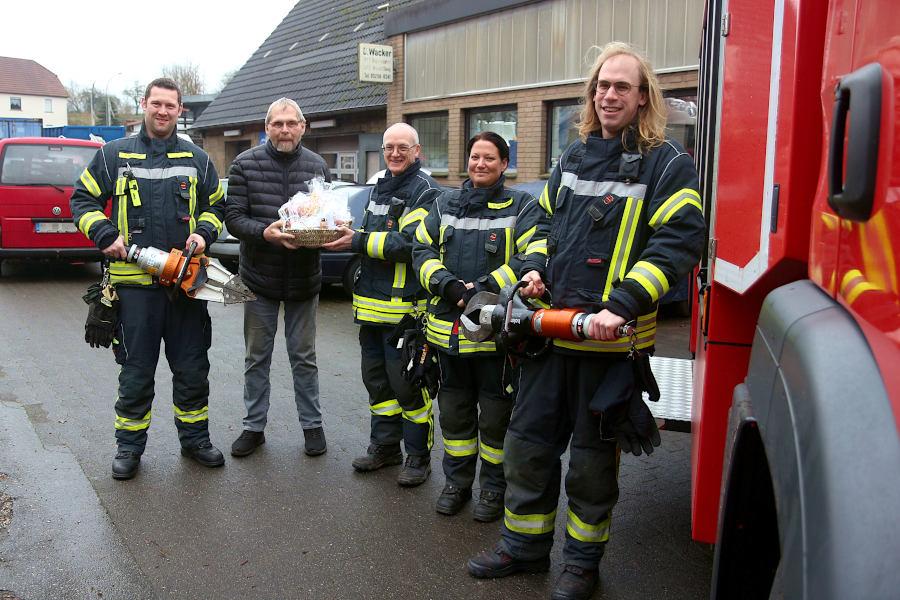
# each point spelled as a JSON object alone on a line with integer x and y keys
{"x": 351, "y": 273}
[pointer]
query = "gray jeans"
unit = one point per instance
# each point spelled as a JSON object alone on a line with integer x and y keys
{"x": 260, "y": 326}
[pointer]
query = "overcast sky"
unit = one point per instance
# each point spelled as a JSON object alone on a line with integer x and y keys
{"x": 93, "y": 41}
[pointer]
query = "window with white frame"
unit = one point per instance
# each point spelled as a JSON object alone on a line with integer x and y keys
{"x": 502, "y": 120}
{"x": 48, "y": 105}
{"x": 433, "y": 132}
{"x": 15, "y": 103}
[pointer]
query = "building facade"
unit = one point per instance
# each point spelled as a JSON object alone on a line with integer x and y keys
{"x": 518, "y": 68}
{"x": 30, "y": 91}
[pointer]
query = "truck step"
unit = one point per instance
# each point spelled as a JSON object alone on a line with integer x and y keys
{"x": 675, "y": 377}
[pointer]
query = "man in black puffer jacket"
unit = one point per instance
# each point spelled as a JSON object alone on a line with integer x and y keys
{"x": 277, "y": 270}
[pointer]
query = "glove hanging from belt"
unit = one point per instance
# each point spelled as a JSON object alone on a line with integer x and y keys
{"x": 103, "y": 313}
{"x": 619, "y": 401}
{"x": 419, "y": 358}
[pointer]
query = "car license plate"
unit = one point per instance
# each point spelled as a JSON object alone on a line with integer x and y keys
{"x": 55, "y": 228}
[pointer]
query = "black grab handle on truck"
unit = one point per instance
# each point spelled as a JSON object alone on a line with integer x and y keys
{"x": 859, "y": 93}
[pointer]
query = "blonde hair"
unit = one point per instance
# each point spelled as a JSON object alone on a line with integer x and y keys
{"x": 282, "y": 103}
{"x": 650, "y": 130}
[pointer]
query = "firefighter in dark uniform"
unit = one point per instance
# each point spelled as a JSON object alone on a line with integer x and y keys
{"x": 386, "y": 291}
{"x": 481, "y": 237}
{"x": 626, "y": 223}
{"x": 166, "y": 194}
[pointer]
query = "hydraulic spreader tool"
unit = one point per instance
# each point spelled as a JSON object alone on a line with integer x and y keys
{"x": 199, "y": 277}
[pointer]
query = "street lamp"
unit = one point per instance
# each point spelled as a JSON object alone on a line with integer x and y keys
{"x": 108, "y": 115}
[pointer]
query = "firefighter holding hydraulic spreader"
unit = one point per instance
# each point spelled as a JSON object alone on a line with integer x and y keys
{"x": 626, "y": 223}
{"x": 166, "y": 195}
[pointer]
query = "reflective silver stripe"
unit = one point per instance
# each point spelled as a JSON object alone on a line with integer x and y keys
{"x": 585, "y": 532}
{"x": 377, "y": 209}
{"x": 568, "y": 180}
{"x": 529, "y": 524}
{"x": 165, "y": 173}
{"x": 471, "y": 223}
{"x": 583, "y": 187}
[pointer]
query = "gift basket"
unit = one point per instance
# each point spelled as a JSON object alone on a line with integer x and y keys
{"x": 312, "y": 217}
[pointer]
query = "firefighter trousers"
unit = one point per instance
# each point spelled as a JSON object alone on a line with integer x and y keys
{"x": 474, "y": 414}
{"x": 551, "y": 410}
{"x": 399, "y": 409}
{"x": 147, "y": 317}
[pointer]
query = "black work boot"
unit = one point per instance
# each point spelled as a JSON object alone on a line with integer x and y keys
{"x": 377, "y": 457}
{"x": 205, "y": 453}
{"x": 489, "y": 507}
{"x": 247, "y": 443}
{"x": 452, "y": 499}
{"x": 415, "y": 471}
{"x": 125, "y": 464}
{"x": 314, "y": 441}
{"x": 575, "y": 583}
{"x": 495, "y": 562}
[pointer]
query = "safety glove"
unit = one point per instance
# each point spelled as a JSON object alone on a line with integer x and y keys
{"x": 620, "y": 405}
{"x": 103, "y": 313}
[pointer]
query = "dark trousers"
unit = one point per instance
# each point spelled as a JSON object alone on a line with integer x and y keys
{"x": 474, "y": 414}
{"x": 552, "y": 410}
{"x": 147, "y": 317}
{"x": 399, "y": 409}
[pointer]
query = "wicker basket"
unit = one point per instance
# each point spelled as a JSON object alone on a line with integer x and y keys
{"x": 314, "y": 238}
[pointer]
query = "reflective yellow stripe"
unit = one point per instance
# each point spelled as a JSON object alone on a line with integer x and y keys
{"x": 381, "y": 311}
{"x": 584, "y": 532}
{"x": 461, "y": 447}
{"x": 422, "y": 234}
{"x": 499, "y": 205}
{"x": 509, "y": 232}
{"x": 386, "y": 409}
{"x": 133, "y": 424}
{"x": 420, "y": 415}
{"x": 192, "y": 204}
{"x": 90, "y": 183}
{"x": 651, "y": 278}
{"x": 88, "y": 219}
{"x": 492, "y": 455}
{"x": 123, "y": 219}
{"x": 645, "y": 330}
{"x": 683, "y": 197}
{"x": 178, "y": 155}
{"x": 120, "y": 186}
{"x": 123, "y": 272}
{"x": 191, "y": 416}
{"x": 536, "y": 524}
{"x": 412, "y": 217}
{"x": 624, "y": 240}
{"x": 211, "y": 218}
{"x": 468, "y": 347}
{"x": 504, "y": 276}
{"x": 544, "y": 200}
{"x": 537, "y": 247}
{"x": 375, "y": 244}
{"x": 217, "y": 195}
{"x": 522, "y": 240}
{"x": 429, "y": 268}
{"x": 399, "y": 278}
{"x": 132, "y": 155}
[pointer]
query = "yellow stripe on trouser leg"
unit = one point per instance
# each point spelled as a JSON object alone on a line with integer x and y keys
{"x": 133, "y": 424}
{"x": 191, "y": 416}
{"x": 461, "y": 447}
{"x": 492, "y": 455}
{"x": 585, "y": 532}
{"x": 386, "y": 409}
{"x": 529, "y": 524}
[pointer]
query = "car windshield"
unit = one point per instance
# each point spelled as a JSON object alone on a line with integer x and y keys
{"x": 44, "y": 164}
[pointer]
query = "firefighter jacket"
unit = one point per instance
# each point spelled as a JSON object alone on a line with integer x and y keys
{"x": 387, "y": 288}
{"x": 260, "y": 180}
{"x": 624, "y": 228}
{"x": 486, "y": 236}
{"x": 162, "y": 191}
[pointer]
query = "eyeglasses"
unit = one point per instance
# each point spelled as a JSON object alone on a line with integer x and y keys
{"x": 402, "y": 149}
{"x": 622, "y": 88}
{"x": 284, "y": 124}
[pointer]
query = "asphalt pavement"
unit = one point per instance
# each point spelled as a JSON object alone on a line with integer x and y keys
{"x": 277, "y": 524}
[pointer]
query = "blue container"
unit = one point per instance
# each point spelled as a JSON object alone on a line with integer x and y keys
{"x": 83, "y": 132}
{"x": 16, "y": 127}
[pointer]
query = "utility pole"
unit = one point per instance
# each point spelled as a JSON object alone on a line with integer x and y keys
{"x": 93, "y": 119}
{"x": 108, "y": 114}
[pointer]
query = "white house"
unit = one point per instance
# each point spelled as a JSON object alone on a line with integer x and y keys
{"x": 30, "y": 91}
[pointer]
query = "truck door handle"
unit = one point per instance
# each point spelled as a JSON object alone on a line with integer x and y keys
{"x": 859, "y": 93}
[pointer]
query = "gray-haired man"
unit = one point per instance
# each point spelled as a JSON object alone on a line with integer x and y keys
{"x": 278, "y": 271}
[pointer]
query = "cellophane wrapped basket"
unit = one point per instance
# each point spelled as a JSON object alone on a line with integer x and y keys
{"x": 312, "y": 217}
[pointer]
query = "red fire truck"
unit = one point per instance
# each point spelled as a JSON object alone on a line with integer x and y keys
{"x": 796, "y": 401}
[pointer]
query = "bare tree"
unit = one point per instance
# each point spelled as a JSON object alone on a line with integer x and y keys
{"x": 134, "y": 93}
{"x": 186, "y": 76}
{"x": 226, "y": 78}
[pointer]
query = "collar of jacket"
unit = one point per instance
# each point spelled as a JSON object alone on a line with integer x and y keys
{"x": 480, "y": 196}
{"x": 171, "y": 141}
{"x": 279, "y": 155}
{"x": 390, "y": 183}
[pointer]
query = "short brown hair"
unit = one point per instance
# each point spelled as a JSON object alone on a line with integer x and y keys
{"x": 166, "y": 84}
{"x": 650, "y": 130}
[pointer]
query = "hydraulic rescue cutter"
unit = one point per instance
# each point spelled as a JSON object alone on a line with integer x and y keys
{"x": 200, "y": 278}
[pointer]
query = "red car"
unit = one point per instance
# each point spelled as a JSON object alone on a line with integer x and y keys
{"x": 36, "y": 179}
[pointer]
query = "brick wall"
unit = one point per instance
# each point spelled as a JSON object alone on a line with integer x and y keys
{"x": 532, "y": 105}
